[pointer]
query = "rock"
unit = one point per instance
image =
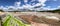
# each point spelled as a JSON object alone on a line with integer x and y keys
{"x": 26, "y": 18}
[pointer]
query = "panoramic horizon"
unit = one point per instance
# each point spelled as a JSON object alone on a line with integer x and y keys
{"x": 29, "y": 12}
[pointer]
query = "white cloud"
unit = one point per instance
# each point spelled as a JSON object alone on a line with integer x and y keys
{"x": 54, "y": 0}
{"x": 25, "y": 1}
{"x": 58, "y": 7}
{"x": 42, "y": 1}
{"x": 1, "y": 7}
{"x": 43, "y": 5}
{"x": 28, "y": 6}
{"x": 38, "y": 4}
{"x": 33, "y": 0}
{"x": 49, "y": 6}
{"x": 17, "y": 3}
{"x": 11, "y": 7}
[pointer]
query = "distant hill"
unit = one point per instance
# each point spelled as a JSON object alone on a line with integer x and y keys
{"x": 53, "y": 11}
{"x": 1, "y": 10}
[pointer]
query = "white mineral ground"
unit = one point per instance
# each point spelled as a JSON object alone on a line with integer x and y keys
{"x": 47, "y": 18}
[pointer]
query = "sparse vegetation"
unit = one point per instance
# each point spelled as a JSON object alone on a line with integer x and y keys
{"x": 11, "y": 21}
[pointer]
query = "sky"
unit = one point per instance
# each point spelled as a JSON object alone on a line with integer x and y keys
{"x": 46, "y": 4}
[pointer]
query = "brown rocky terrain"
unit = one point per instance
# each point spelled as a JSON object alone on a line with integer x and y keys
{"x": 37, "y": 18}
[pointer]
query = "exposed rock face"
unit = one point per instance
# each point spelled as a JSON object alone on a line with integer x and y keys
{"x": 27, "y": 18}
{"x": 42, "y": 19}
{"x": 48, "y": 19}
{"x": 39, "y": 24}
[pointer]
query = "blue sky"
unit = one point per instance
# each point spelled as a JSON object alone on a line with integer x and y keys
{"x": 53, "y": 3}
{"x": 11, "y": 2}
{"x": 48, "y": 3}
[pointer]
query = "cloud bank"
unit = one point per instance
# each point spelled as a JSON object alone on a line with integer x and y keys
{"x": 39, "y": 6}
